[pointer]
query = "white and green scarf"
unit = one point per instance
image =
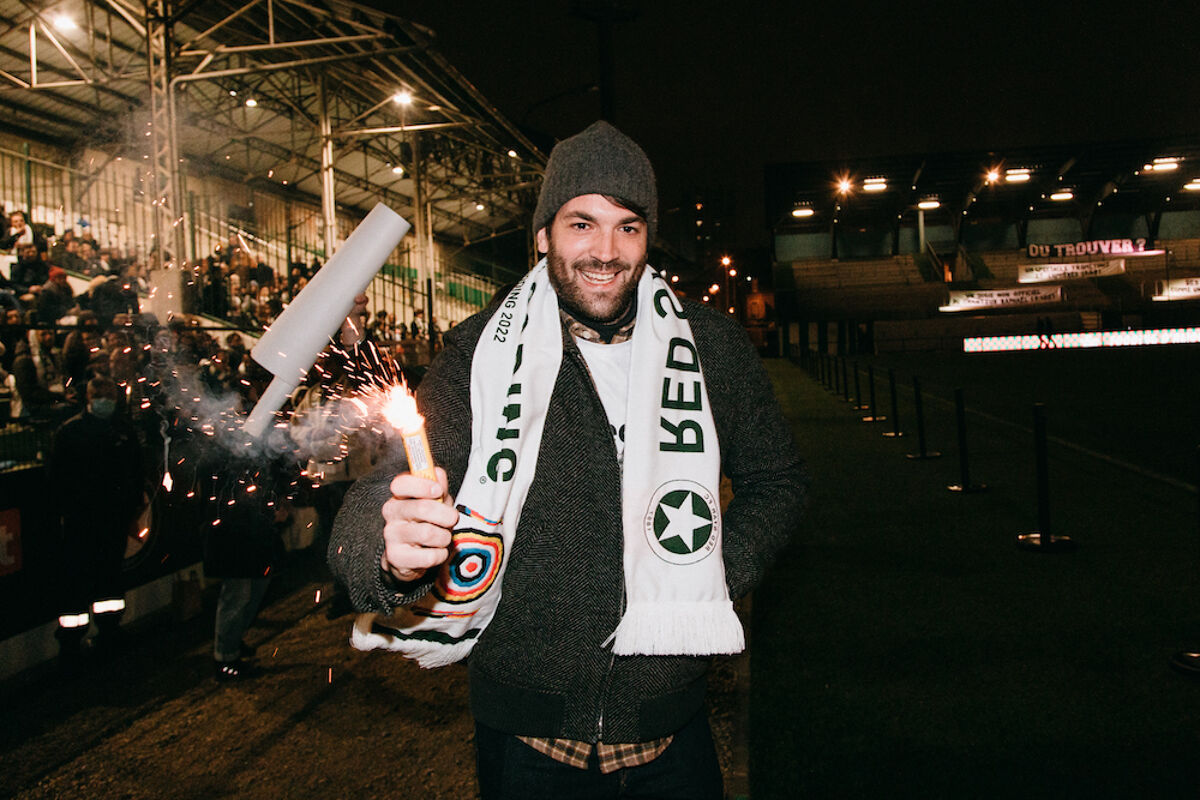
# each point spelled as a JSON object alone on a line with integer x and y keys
{"x": 677, "y": 601}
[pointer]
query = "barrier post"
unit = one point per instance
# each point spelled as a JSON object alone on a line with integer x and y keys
{"x": 845, "y": 383}
{"x": 858, "y": 398}
{"x": 895, "y": 432}
{"x": 1042, "y": 540}
{"x": 921, "y": 453}
{"x": 872, "y": 415}
{"x": 964, "y": 485}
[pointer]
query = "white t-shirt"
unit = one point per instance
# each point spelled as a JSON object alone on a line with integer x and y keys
{"x": 609, "y": 365}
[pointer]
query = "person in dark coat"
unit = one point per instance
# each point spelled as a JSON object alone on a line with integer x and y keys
{"x": 96, "y": 472}
{"x": 248, "y": 506}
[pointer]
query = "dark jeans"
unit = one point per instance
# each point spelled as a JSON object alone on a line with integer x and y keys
{"x": 509, "y": 769}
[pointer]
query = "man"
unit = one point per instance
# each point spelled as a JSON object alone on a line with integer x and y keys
{"x": 56, "y": 297}
{"x": 96, "y": 471}
{"x": 21, "y": 233}
{"x": 607, "y": 411}
{"x": 29, "y": 273}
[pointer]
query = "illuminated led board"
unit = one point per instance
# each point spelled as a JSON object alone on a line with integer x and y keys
{"x": 1081, "y": 340}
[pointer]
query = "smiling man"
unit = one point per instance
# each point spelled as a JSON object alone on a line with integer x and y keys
{"x": 573, "y": 544}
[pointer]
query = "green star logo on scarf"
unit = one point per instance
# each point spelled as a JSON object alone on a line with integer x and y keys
{"x": 681, "y": 526}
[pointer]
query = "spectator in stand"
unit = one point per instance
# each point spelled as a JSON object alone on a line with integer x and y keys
{"x": 39, "y": 378}
{"x": 81, "y": 344}
{"x": 8, "y": 295}
{"x": 236, "y": 346}
{"x": 418, "y": 328}
{"x": 21, "y": 233}
{"x": 96, "y": 471}
{"x": 70, "y": 258}
{"x": 264, "y": 275}
{"x": 381, "y": 329}
{"x": 106, "y": 298}
{"x": 56, "y": 297}
{"x": 105, "y": 264}
{"x": 89, "y": 259}
{"x": 58, "y": 251}
{"x": 29, "y": 273}
{"x": 12, "y": 332}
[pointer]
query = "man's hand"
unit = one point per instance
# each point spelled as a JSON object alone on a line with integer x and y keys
{"x": 417, "y": 524}
{"x": 354, "y": 327}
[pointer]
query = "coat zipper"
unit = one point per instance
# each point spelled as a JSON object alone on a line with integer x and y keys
{"x": 581, "y": 362}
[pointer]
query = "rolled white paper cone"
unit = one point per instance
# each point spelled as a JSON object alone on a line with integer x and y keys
{"x": 291, "y": 345}
{"x": 293, "y": 342}
{"x": 271, "y": 401}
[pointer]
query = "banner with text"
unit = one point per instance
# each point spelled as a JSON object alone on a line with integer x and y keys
{"x": 1041, "y": 273}
{"x": 1177, "y": 289}
{"x": 1001, "y": 298}
{"x": 1095, "y": 247}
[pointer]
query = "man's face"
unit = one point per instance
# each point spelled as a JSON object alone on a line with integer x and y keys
{"x": 596, "y": 251}
{"x": 16, "y": 222}
{"x": 29, "y": 253}
{"x": 86, "y": 251}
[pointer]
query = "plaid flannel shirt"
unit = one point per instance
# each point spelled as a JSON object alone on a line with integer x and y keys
{"x": 612, "y": 757}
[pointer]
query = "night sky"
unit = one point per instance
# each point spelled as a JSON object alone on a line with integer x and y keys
{"x": 716, "y": 90}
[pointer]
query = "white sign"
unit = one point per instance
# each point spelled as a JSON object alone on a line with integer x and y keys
{"x": 1177, "y": 289}
{"x": 1096, "y": 247}
{"x": 1001, "y": 298}
{"x": 1041, "y": 273}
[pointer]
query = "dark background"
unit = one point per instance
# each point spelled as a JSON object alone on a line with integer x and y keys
{"x": 717, "y": 90}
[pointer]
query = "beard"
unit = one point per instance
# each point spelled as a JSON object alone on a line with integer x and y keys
{"x": 590, "y": 304}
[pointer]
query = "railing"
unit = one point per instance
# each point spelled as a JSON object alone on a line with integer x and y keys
{"x": 103, "y": 195}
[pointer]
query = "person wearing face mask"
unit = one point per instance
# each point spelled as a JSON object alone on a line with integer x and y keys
{"x": 96, "y": 468}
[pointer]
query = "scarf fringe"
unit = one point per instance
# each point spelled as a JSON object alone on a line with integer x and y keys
{"x": 366, "y": 635}
{"x": 699, "y": 628}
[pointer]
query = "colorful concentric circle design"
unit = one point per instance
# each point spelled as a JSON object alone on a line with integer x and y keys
{"x": 474, "y": 562}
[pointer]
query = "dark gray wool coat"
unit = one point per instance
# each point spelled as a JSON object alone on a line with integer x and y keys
{"x": 541, "y": 667}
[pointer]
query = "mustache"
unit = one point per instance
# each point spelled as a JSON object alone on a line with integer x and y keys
{"x": 596, "y": 265}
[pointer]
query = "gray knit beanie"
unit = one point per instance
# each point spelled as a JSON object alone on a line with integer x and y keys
{"x": 598, "y": 160}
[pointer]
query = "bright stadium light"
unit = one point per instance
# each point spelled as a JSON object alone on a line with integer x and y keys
{"x": 251, "y": 102}
{"x": 802, "y": 211}
{"x": 875, "y": 185}
{"x": 402, "y": 98}
{"x": 929, "y": 204}
{"x": 1063, "y": 194}
{"x": 844, "y": 186}
{"x": 993, "y": 175}
{"x": 1193, "y": 186}
{"x": 1017, "y": 175}
{"x": 397, "y": 170}
{"x": 65, "y": 23}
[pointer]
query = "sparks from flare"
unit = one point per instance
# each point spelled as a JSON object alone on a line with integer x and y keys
{"x": 400, "y": 410}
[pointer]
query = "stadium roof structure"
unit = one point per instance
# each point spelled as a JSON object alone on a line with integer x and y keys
{"x": 1011, "y": 185}
{"x": 330, "y": 98}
